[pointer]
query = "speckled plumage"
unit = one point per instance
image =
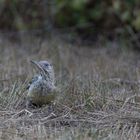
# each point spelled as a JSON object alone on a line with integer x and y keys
{"x": 42, "y": 88}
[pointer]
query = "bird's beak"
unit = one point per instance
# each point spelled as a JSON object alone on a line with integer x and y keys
{"x": 34, "y": 62}
{"x": 38, "y": 66}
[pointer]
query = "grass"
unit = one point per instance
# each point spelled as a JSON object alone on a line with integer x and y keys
{"x": 99, "y": 92}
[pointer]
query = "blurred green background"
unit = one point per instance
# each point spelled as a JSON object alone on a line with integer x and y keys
{"x": 81, "y": 16}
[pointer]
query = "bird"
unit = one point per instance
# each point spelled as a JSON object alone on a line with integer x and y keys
{"x": 42, "y": 89}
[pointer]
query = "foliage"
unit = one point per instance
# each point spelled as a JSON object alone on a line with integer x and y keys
{"x": 21, "y": 14}
{"x": 103, "y": 14}
{"x": 82, "y": 15}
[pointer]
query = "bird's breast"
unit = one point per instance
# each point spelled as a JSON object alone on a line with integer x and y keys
{"x": 41, "y": 92}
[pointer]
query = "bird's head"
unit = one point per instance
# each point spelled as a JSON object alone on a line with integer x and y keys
{"x": 45, "y": 68}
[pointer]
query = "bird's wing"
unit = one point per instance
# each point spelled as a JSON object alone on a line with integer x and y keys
{"x": 35, "y": 78}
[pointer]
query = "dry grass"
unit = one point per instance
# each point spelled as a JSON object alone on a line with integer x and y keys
{"x": 99, "y": 92}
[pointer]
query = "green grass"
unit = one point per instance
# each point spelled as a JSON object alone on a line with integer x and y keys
{"x": 99, "y": 92}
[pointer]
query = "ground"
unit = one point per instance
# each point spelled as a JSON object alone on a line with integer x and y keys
{"x": 98, "y": 91}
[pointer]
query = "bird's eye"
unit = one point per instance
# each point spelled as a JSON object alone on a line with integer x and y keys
{"x": 46, "y": 65}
